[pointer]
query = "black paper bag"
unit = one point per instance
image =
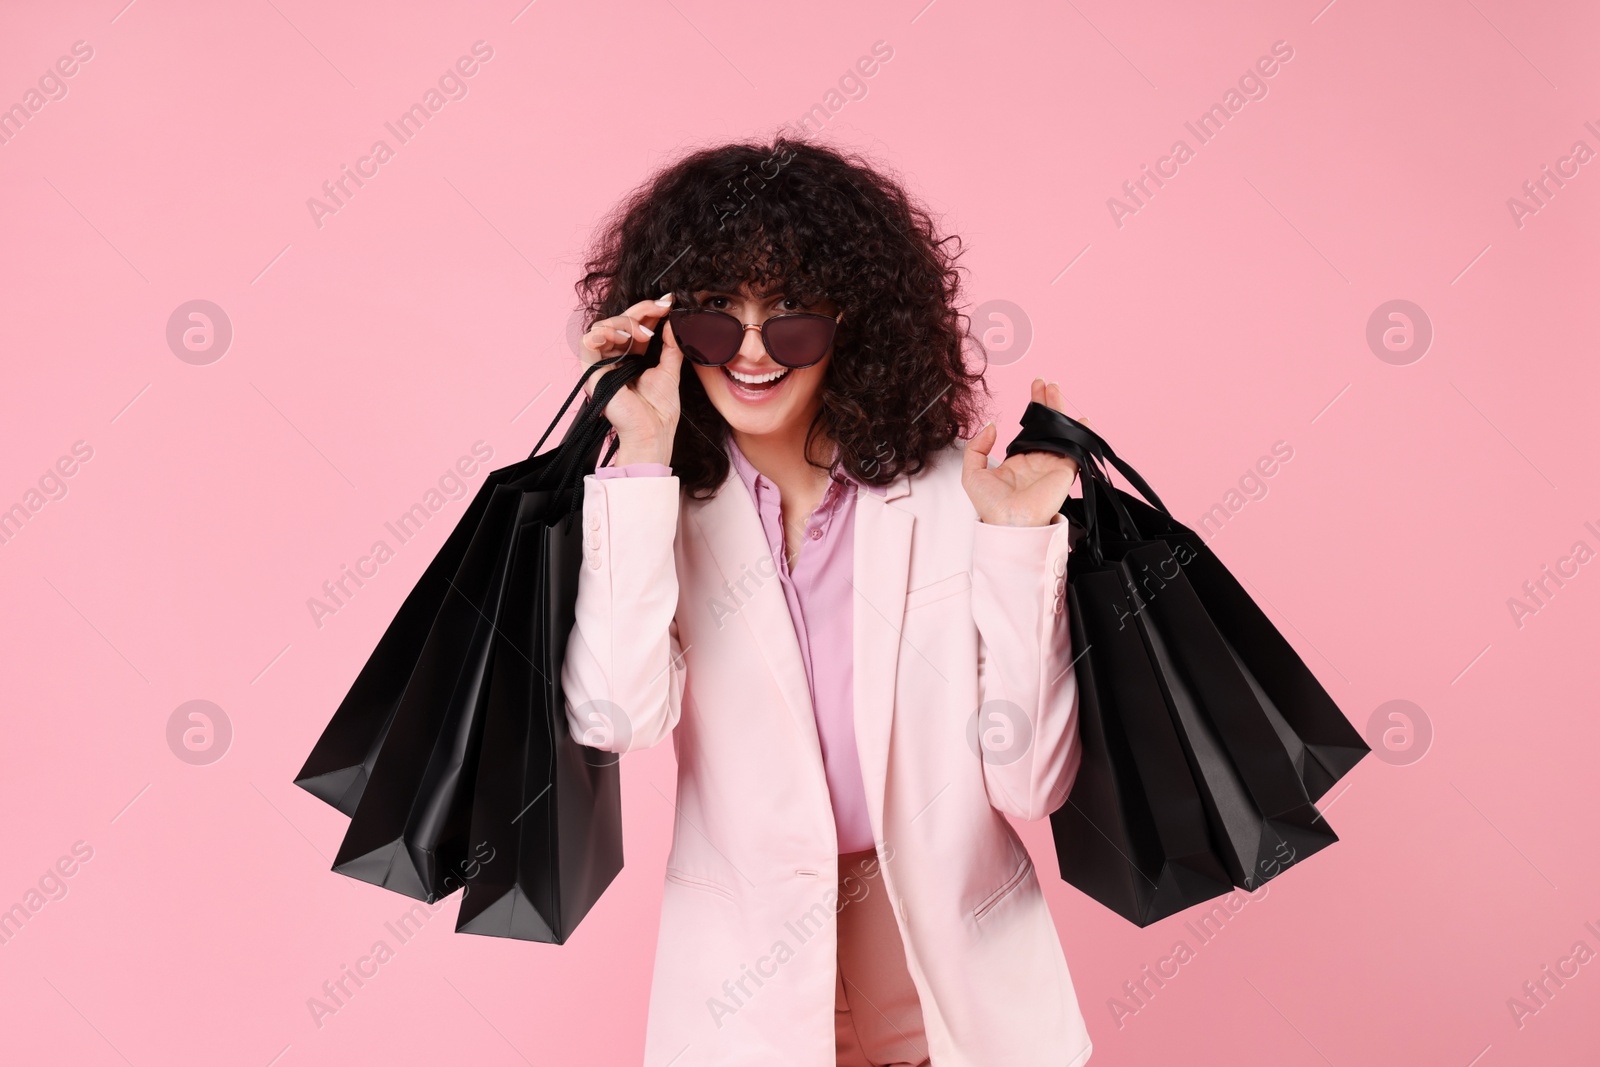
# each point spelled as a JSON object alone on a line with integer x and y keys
{"x": 476, "y": 648}
{"x": 547, "y": 808}
{"x": 1174, "y": 656}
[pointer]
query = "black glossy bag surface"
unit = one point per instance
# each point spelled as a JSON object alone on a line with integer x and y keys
{"x": 340, "y": 765}
{"x": 1205, "y": 736}
{"x": 545, "y": 807}
{"x": 451, "y": 751}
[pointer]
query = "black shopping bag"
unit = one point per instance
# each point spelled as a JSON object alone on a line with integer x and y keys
{"x": 547, "y": 809}
{"x": 1321, "y": 741}
{"x": 340, "y": 764}
{"x": 1173, "y": 656}
{"x": 409, "y": 830}
{"x": 402, "y": 753}
{"x": 1133, "y": 833}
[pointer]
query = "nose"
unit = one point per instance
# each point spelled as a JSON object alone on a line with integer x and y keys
{"x": 752, "y": 348}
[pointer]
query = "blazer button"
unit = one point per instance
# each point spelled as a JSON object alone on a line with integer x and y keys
{"x": 592, "y": 543}
{"x": 594, "y": 563}
{"x": 1061, "y": 587}
{"x": 1060, "y": 565}
{"x": 1060, "y": 603}
{"x": 594, "y": 520}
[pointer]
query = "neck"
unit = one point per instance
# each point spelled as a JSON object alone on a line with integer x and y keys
{"x": 781, "y": 456}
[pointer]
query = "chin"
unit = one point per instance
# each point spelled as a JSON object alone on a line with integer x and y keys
{"x": 757, "y": 423}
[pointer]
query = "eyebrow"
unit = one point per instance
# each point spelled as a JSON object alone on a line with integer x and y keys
{"x": 775, "y": 294}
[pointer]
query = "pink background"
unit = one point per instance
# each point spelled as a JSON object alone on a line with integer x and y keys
{"x": 431, "y": 312}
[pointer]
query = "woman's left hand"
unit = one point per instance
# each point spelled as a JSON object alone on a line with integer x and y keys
{"x": 1027, "y": 488}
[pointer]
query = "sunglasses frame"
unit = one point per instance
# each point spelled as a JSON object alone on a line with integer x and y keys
{"x": 679, "y": 313}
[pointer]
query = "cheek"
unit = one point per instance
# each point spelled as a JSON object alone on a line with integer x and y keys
{"x": 807, "y": 384}
{"x": 716, "y": 389}
{"x": 710, "y": 377}
{"x": 810, "y": 380}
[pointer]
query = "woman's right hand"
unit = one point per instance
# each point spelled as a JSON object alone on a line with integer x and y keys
{"x": 645, "y": 411}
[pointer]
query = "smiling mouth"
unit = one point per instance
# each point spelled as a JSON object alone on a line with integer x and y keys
{"x": 751, "y": 386}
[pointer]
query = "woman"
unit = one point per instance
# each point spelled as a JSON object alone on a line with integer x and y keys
{"x": 847, "y": 616}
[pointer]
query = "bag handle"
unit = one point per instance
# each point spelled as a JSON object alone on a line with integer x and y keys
{"x": 1097, "y": 485}
{"x": 590, "y": 425}
{"x": 1044, "y": 429}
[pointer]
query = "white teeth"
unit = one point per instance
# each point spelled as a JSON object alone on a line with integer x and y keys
{"x": 756, "y": 379}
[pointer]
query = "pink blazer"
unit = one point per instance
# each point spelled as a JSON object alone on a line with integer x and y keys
{"x": 682, "y": 629}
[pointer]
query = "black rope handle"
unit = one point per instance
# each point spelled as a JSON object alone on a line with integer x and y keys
{"x": 1096, "y": 483}
{"x": 1044, "y": 429}
{"x": 1098, "y": 492}
{"x": 589, "y": 425}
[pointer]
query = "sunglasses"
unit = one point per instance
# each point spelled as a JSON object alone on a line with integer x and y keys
{"x": 712, "y": 338}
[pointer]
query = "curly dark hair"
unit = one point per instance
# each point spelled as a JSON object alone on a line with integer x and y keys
{"x": 812, "y": 222}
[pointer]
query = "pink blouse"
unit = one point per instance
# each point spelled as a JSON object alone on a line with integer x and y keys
{"x": 819, "y": 592}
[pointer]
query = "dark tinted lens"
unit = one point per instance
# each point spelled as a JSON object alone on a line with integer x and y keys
{"x": 799, "y": 340}
{"x": 709, "y": 338}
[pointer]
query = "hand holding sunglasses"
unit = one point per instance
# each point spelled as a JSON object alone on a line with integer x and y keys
{"x": 645, "y": 412}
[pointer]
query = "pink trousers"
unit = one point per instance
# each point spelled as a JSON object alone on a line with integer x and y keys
{"x": 877, "y": 1019}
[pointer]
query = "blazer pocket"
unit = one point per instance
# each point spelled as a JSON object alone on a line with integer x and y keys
{"x": 939, "y": 590}
{"x": 702, "y": 884}
{"x": 1009, "y": 886}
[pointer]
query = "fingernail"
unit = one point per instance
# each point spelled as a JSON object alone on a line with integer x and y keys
{"x": 647, "y": 331}
{"x": 622, "y": 335}
{"x": 1055, "y": 383}
{"x": 664, "y": 301}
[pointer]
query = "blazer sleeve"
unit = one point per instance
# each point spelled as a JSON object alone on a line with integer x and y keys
{"x": 624, "y": 672}
{"x": 634, "y": 470}
{"x": 1029, "y": 724}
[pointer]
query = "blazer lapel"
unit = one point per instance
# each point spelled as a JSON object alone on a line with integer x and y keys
{"x": 732, "y": 531}
{"x": 882, "y": 569}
